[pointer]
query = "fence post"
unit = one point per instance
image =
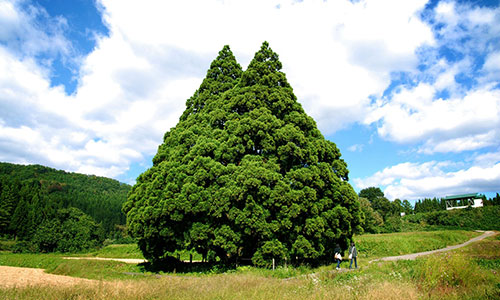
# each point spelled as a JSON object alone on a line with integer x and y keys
{"x": 273, "y": 263}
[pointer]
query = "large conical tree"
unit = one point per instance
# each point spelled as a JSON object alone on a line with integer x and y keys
{"x": 244, "y": 174}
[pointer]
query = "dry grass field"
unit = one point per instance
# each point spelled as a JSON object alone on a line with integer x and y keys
{"x": 471, "y": 272}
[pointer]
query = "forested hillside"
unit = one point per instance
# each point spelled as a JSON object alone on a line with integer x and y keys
{"x": 30, "y": 195}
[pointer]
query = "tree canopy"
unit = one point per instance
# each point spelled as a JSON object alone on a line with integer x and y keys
{"x": 371, "y": 193}
{"x": 244, "y": 174}
{"x": 381, "y": 215}
{"x": 69, "y": 230}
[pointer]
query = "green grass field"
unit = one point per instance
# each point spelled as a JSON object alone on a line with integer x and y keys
{"x": 471, "y": 272}
{"x": 378, "y": 245}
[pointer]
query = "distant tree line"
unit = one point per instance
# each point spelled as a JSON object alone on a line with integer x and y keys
{"x": 435, "y": 204}
{"x": 51, "y": 209}
{"x": 382, "y": 215}
{"x": 483, "y": 218}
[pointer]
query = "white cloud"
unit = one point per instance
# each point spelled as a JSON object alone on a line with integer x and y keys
{"x": 487, "y": 159}
{"x": 32, "y": 32}
{"x": 133, "y": 86}
{"x": 404, "y": 170}
{"x": 433, "y": 179}
{"x": 323, "y": 45}
{"x": 356, "y": 148}
{"x": 452, "y": 125}
{"x": 352, "y": 56}
{"x": 468, "y": 118}
{"x": 492, "y": 66}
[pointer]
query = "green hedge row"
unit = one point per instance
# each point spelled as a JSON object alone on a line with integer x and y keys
{"x": 484, "y": 218}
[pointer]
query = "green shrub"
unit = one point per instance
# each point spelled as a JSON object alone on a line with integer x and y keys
{"x": 393, "y": 224}
{"x": 71, "y": 231}
{"x": 7, "y": 245}
{"x": 489, "y": 263}
{"x": 24, "y": 247}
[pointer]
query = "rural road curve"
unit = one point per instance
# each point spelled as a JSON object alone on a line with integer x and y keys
{"x": 415, "y": 255}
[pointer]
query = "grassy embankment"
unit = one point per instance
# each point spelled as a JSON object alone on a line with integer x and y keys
{"x": 470, "y": 272}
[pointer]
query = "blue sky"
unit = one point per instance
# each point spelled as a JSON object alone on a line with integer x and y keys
{"x": 408, "y": 90}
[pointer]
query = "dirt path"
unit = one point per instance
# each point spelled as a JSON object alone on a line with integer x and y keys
{"x": 415, "y": 255}
{"x": 411, "y": 256}
{"x": 125, "y": 260}
{"x": 21, "y": 277}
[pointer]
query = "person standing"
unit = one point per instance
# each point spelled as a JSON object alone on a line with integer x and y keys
{"x": 353, "y": 254}
{"x": 338, "y": 256}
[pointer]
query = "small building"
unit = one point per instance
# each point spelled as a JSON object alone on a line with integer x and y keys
{"x": 463, "y": 201}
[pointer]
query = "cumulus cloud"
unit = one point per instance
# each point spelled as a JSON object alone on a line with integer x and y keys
{"x": 451, "y": 125}
{"x": 340, "y": 57}
{"x": 31, "y": 32}
{"x": 132, "y": 87}
{"x": 356, "y": 148}
{"x": 413, "y": 181}
{"x": 453, "y": 104}
{"x": 327, "y": 47}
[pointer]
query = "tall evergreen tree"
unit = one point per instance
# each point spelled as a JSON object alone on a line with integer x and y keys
{"x": 20, "y": 222}
{"x": 245, "y": 173}
{"x": 8, "y": 201}
{"x": 496, "y": 199}
{"x": 407, "y": 207}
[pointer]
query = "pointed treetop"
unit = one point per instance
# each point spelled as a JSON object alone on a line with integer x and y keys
{"x": 267, "y": 57}
{"x": 223, "y": 74}
{"x": 264, "y": 64}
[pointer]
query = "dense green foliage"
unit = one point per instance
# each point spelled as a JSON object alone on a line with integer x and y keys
{"x": 371, "y": 193}
{"x": 244, "y": 174}
{"x": 373, "y": 220}
{"x": 381, "y": 215}
{"x": 70, "y": 230}
{"x": 34, "y": 197}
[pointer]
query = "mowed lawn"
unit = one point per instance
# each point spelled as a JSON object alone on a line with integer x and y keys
{"x": 471, "y": 272}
